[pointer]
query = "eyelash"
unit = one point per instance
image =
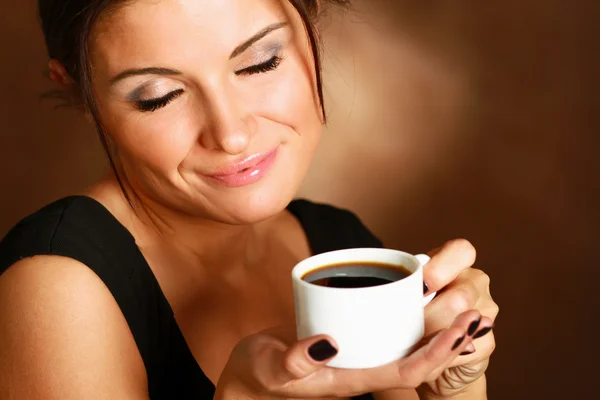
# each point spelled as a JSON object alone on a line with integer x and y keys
{"x": 156, "y": 104}
{"x": 267, "y": 66}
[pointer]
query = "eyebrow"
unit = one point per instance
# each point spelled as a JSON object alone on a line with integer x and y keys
{"x": 261, "y": 34}
{"x": 144, "y": 71}
{"x": 170, "y": 72}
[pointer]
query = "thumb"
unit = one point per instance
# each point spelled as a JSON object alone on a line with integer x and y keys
{"x": 308, "y": 356}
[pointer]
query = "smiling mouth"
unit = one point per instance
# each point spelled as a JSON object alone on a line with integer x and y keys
{"x": 247, "y": 171}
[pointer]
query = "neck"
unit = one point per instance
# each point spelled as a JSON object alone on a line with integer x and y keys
{"x": 212, "y": 245}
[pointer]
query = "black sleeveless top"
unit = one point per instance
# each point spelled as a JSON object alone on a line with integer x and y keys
{"x": 81, "y": 228}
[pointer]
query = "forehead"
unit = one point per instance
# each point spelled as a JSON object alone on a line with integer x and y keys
{"x": 140, "y": 33}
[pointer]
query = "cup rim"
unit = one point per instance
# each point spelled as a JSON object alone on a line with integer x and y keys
{"x": 302, "y": 268}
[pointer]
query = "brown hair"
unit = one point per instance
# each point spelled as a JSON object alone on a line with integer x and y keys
{"x": 67, "y": 24}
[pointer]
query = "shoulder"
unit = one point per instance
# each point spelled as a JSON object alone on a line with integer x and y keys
{"x": 331, "y": 228}
{"x": 48, "y": 281}
{"x": 77, "y": 227}
{"x": 57, "y": 315}
{"x": 36, "y": 231}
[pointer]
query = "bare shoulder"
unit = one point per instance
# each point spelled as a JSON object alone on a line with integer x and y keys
{"x": 63, "y": 335}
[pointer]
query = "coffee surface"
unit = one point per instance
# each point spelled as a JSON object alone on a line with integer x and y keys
{"x": 353, "y": 275}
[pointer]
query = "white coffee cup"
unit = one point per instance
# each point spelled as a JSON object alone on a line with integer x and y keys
{"x": 372, "y": 326}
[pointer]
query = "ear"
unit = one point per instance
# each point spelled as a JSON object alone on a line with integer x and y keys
{"x": 59, "y": 74}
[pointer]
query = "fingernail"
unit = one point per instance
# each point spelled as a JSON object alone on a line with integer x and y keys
{"x": 458, "y": 342}
{"x": 425, "y": 288}
{"x": 482, "y": 332}
{"x": 322, "y": 350}
{"x": 473, "y": 327}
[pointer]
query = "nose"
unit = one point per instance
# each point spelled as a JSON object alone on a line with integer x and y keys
{"x": 230, "y": 126}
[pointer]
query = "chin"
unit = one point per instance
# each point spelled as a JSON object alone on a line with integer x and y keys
{"x": 250, "y": 204}
{"x": 259, "y": 209}
{"x": 251, "y": 207}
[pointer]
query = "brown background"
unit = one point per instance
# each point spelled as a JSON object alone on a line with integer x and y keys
{"x": 447, "y": 119}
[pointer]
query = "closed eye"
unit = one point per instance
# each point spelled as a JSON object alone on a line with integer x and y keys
{"x": 156, "y": 104}
{"x": 267, "y": 66}
{"x": 161, "y": 102}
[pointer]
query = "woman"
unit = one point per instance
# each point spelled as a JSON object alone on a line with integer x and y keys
{"x": 171, "y": 277}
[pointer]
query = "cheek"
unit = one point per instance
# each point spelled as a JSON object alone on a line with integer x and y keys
{"x": 291, "y": 99}
{"x": 156, "y": 142}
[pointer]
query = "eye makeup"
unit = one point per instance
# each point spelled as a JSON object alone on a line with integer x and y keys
{"x": 261, "y": 57}
{"x": 154, "y": 96}
{"x": 266, "y": 66}
{"x": 157, "y": 103}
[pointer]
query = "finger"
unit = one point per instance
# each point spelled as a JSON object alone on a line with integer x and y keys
{"x": 491, "y": 309}
{"x": 468, "y": 323}
{"x": 307, "y": 356}
{"x": 459, "y": 296}
{"x": 411, "y": 371}
{"x": 483, "y": 346}
{"x": 433, "y": 252}
{"x": 287, "y": 334}
{"x": 470, "y": 349}
{"x": 310, "y": 379}
{"x": 454, "y": 257}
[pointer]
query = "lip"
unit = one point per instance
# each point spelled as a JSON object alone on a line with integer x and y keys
{"x": 247, "y": 171}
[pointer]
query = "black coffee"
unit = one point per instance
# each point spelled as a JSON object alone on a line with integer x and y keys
{"x": 347, "y": 275}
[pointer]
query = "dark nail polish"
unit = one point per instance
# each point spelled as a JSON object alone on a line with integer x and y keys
{"x": 482, "y": 332}
{"x": 425, "y": 288}
{"x": 466, "y": 353}
{"x": 473, "y": 327}
{"x": 458, "y": 342}
{"x": 322, "y": 350}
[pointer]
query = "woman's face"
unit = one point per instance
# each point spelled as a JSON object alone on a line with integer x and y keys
{"x": 211, "y": 103}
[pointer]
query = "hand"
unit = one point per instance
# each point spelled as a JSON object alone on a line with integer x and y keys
{"x": 272, "y": 364}
{"x": 460, "y": 288}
